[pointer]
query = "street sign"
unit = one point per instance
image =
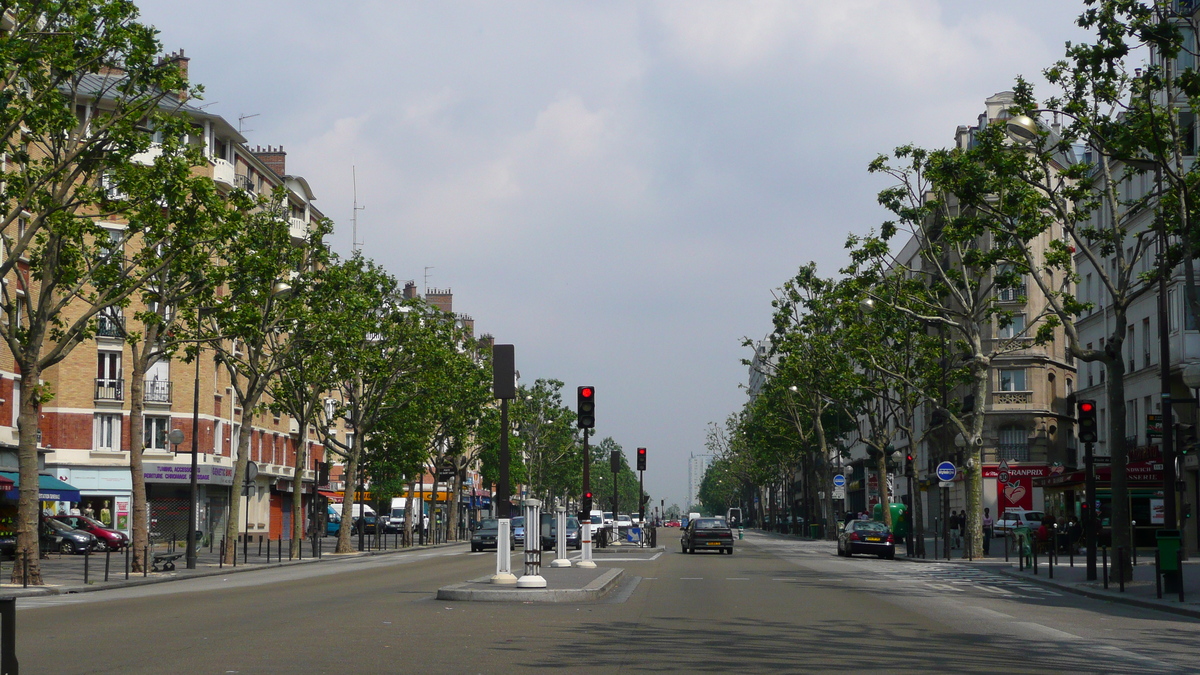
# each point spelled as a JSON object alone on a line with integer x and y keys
{"x": 839, "y": 480}
{"x": 839, "y": 493}
{"x": 946, "y": 471}
{"x": 946, "y": 484}
{"x": 1154, "y": 425}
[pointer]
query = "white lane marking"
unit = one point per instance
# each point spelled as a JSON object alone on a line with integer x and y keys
{"x": 691, "y": 578}
{"x": 991, "y": 613}
{"x": 792, "y": 579}
{"x": 737, "y": 579}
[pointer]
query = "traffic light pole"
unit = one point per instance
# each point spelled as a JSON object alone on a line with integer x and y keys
{"x": 1089, "y": 494}
{"x": 585, "y": 520}
{"x": 642, "y": 506}
{"x": 503, "y": 509}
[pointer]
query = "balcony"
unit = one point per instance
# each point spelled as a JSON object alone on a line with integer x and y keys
{"x": 147, "y": 158}
{"x": 1013, "y": 398}
{"x": 109, "y": 389}
{"x": 1011, "y": 294}
{"x": 157, "y": 391}
{"x": 110, "y": 326}
{"x": 223, "y": 172}
{"x": 1012, "y": 452}
{"x": 298, "y": 228}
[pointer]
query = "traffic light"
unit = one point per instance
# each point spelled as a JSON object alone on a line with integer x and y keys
{"x": 641, "y": 462}
{"x": 1087, "y": 421}
{"x": 586, "y": 407}
{"x": 910, "y": 464}
{"x": 614, "y": 461}
{"x": 587, "y": 503}
{"x": 1187, "y": 438}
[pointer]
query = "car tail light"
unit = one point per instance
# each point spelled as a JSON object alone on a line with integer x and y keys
{"x": 891, "y": 539}
{"x": 854, "y": 536}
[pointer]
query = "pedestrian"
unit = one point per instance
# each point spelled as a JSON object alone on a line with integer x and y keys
{"x": 952, "y": 522}
{"x": 987, "y": 531}
{"x": 962, "y": 528}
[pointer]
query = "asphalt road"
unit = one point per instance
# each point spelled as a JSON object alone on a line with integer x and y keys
{"x": 774, "y": 606}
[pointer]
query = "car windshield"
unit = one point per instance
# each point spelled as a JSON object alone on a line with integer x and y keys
{"x": 487, "y": 524}
{"x": 57, "y": 525}
{"x": 869, "y": 526}
{"x": 519, "y": 521}
{"x": 597, "y": 520}
{"x": 572, "y": 523}
{"x": 1035, "y": 515}
{"x": 709, "y": 524}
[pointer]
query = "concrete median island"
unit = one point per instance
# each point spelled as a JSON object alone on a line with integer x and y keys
{"x": 568, "y": 584}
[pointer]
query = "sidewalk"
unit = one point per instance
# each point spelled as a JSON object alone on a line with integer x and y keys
{"x": 65, "y": 573}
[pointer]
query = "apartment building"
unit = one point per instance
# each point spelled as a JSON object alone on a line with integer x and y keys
{"x": 84, "y": 431}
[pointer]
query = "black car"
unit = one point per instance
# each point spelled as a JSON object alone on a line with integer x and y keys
{"x": 57, "y": 536}
{"x": 867, "y": 536}
{"x": 707, "y": 534}
{"x": 485, "y": 535}
{"x": 550, "y": 535}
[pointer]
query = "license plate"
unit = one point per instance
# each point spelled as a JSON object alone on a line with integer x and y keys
{"x": 874, "y": 538}
{"x": 714, "y": 543}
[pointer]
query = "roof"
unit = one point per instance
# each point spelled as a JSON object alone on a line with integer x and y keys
{"x": 105, "y": 86}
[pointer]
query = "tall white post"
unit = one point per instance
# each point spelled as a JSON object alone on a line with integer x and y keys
{"x": 504, "y": 573}
{"x": 586, "y": 543}
{"x": 533, "y": 546}
{"x": 560, "y": 541}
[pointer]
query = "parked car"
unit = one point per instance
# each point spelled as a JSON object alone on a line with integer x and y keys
{"x": 550, "y": 535}
{"x": 710, "y": 534}
{"x": 673, "y": 523}
{"x": 58, "y": 536}
{"x": 518, "y": 531}
{"x": 624, "y": 522}
{"x": 1011, "y": 519}
{"x": 867, "y": 536}
{"x": 106, "y": 537}
{"x": 485, "y": 535}
{"x": 366, "y": 524}
{"x": 333, "y": 520}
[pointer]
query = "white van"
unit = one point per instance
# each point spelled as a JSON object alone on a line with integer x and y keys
{"x": 356, "y": 510}
{"x": 396, "y": 517}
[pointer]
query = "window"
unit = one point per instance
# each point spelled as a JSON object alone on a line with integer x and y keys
{"x": 1012, "y": 379}
{"x": 1187, "y": 128}
{"x": 16, "y": 402}
{"x": 155, "y": 432}
{"x": 1015, "y": 327}
{"x": 1014, "y": 444}
{"x": 108, "y": 376}
{"x": 107, "y": 429}
{"x": 1146, "y": 342}
{"x": 1088, "y": 365}
{"x": 1087, "y": 292}
{"x": 1129, "y": 347}
{"x": 1070, "y": 387}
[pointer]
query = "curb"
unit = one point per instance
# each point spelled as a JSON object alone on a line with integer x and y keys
{"x": 1106, "y": 595}
{"x": 595, "y": 590}
{"x": 37, "y": 591}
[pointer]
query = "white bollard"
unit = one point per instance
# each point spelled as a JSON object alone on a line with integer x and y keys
{"x": 560, "y": 542}
{"x": 504, "y": 573}
{"x": 532, "y": 577}
{"x": 586, "y": 544}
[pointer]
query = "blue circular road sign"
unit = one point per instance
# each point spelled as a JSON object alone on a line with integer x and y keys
{"x": 946, "y": 471}
{"x": 839, "y": 480}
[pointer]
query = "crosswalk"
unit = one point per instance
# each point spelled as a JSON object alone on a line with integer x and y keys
{"x": 960, "y": 578}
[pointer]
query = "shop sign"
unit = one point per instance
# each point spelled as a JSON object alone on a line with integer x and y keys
{"x": 207, "y": 474}
{"x": 1154, "y": 425}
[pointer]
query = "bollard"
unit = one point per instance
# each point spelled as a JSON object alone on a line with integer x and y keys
{"x": 221, "y": 560}
{"x": 1020, "y": 561}
{"x": 1034, "y": 549}
{"x": 289, "y": 552}
{"x": 1179, "y": 564}
{"x": 1005, "y": 547}
{"x": 260, "y": 538}
{"x": 127, "y": 547}
{"x": 106, "y": 556}
{"x": 1157, "y": 576}
{"x": 1050, "y": 562}
{"x": 1105, "y": 550}
{"x": 8, "y": 636}
{"x": 87, "y": 556}
{"x": 1120, "y": 574}
{"x": 25, "y": 569}
{"x": 146, "y": 561}
{"x": 1071, "y": 551}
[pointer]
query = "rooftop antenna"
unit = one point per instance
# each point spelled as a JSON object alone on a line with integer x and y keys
{"x": 355, "y": 243}
{"x": 241, "y": 119}
{"x": 427, "y": 279}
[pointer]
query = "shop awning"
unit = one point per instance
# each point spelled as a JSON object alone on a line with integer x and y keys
{"x": 50, "y": 489}
{"x": 335, "y": 497}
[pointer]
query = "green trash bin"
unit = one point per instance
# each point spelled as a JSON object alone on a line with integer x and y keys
{"x": 814, "y": 531}
{"x": 1169, "y": 542}
{"x": 1024, "y": 541}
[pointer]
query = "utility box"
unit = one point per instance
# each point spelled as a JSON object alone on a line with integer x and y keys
{"x": 1169, "y": 542}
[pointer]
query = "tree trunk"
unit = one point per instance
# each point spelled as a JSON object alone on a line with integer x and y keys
{"x": 1120, "y": 522}
{"x": 408, "y": 513}
{"x": 454, "y": 505}
{"x": 884, "y": 497}
{"x": 239, "y": 480}
{"x": 974, "y": 469}
{"x": 297, "y": 534}
{"x": 140, "y": 530}
{"x": 351, "y": 480}
{"x": 28, "y": 513}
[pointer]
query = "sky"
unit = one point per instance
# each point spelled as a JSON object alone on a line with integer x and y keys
{"x": 615, "y": 188}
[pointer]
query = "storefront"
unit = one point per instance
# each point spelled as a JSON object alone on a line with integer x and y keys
{"x": 105, "y": 493}
{"x": 1010, "y": 485}
{"x": 168, "y": 488}
{"x": 1065, "y": 496}
{"x": 54, "y": 496}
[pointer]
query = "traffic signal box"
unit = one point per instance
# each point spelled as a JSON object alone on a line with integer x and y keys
{"x": 586, "y": 407}
{"x": 1088, "y": 432}
{"x": 585, "y": 508}
{"x": 641, "y": 459}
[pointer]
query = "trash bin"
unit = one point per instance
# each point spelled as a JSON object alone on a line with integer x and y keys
{"x": 1169, "y": 542}
{"x": 814, "y": 531}
{"x": 1024, "y": 540}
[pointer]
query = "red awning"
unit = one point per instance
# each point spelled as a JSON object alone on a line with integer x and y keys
{"x": 335, "y": 497}
{"x": 6, "y": 484}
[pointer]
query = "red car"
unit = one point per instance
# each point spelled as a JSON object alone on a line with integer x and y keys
{"x": 106, "y": 537}
{"x": 672, "y": 523}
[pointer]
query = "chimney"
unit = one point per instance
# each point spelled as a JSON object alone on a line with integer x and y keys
{"x": 410, "y": 290}
{"x": 180, "y": 61}
{"x": 273, "y": 157}
{"x": 441, "y": 298}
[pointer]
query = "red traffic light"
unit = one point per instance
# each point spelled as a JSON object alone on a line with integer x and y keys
{"x": 586, "y": 392}
{"x": 587, "y": 495}
{"x": 1086, "y": 406}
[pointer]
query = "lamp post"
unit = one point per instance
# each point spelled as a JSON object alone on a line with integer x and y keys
{"x": 194, "y": 490}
